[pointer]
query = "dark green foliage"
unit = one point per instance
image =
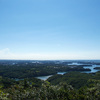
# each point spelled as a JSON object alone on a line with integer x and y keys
{"x": 23, "y": 70}
{"x": 35, "y": 89}
{"x": 17, "y": 83}
{"x": 97, "y": 76}
{"x": 76, "y": 79}
{"x": 46, "y": 91}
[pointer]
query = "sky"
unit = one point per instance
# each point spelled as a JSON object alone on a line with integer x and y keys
{"x": 50, "y": 29}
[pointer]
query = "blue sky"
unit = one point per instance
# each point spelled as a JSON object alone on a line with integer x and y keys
{"x": 49, "y": 29}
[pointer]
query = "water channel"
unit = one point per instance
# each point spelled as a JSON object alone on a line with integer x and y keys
{"x": 61, "y": 73}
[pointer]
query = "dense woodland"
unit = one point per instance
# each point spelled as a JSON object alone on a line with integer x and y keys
{"x": 70, "y": 86}
{"x": 23, "y": 70}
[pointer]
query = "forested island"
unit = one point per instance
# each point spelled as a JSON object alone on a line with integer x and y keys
{"x": 73, "y": 85}
{"x": 97, "y": 68}
{"x": 30, "y": 69}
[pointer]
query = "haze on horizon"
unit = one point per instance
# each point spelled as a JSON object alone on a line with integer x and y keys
{"x": 49, "y": 29}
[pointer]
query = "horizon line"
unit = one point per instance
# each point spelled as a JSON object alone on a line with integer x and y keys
{"x": 49, "y": 59}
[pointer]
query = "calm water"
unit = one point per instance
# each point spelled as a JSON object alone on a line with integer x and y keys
{"x": 61, "y": 73}
{"x": 44, "y": 77}
{"x": 92, "y": 69}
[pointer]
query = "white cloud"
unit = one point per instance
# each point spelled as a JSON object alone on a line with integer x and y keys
{"x": 7, "y": 54}
{"x": 3, "y": 51}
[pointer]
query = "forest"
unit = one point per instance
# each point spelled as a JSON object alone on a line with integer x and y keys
{"x": 27, "y": 69}
{"x": 73, "y": 85}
